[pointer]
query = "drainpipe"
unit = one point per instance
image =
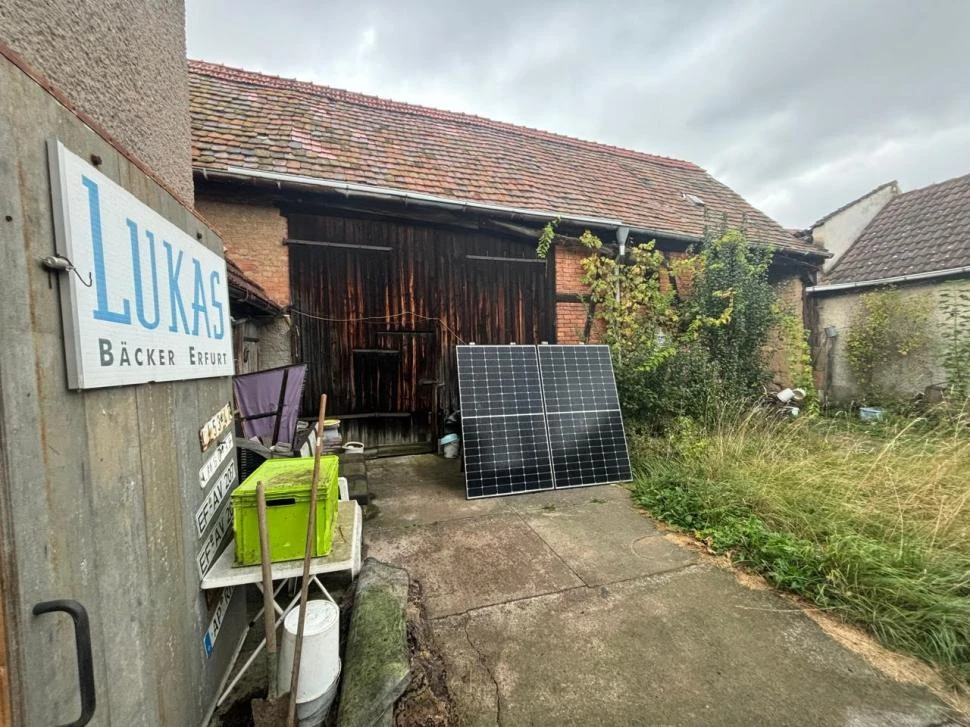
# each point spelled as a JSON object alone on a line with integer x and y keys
{"x": 622, "y": 233}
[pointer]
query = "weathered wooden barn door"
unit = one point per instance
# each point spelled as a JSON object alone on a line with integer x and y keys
{"x": 380, "y": 305}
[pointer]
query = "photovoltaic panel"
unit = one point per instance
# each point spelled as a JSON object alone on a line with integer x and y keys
{"x": 586, "y": 438}
{"x": 505, "y": 439}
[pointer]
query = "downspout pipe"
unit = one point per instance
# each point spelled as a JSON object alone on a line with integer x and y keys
{"x": 622, "y": 233}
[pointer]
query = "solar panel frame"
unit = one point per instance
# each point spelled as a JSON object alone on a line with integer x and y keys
{"x": 579, "y": 390}
{"x": 505, "y": 437}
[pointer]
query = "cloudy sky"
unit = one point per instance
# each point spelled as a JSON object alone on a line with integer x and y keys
{"x": 799, "y": 106}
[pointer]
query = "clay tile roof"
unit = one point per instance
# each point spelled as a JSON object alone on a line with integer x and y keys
{"x": 922, "y": 231}
{"x": 271, "y": 124}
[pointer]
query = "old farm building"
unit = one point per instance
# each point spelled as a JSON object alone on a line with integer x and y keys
{"x": 393, "y": 232}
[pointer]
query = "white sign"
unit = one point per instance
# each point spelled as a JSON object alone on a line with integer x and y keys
{"x": 214, "y": 428}
{"x": 157, "y": 308}
{"x": 212, "y": 546}
{"x": 210, "y": 506}
{"x": 212, "y": 465}
{"x": 215, "y": 626}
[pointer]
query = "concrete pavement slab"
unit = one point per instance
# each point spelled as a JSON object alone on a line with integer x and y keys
{"x": 605, "y": 542}
{"x": 473, "y": 562}
{"x": 693, "y": 647}
{"x": 420, "y": 490}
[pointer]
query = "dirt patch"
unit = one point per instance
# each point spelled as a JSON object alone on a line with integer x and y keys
{"x": 426, "y": 703}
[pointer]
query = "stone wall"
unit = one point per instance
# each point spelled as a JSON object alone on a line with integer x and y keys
{"x": 122, "y": 62}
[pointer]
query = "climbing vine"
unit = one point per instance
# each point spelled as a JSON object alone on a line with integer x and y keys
{"x": 886, "y": 329}
{"x": 955, "y": 306}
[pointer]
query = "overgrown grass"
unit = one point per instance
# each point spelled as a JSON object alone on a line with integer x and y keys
{"x": 872, "y": 523}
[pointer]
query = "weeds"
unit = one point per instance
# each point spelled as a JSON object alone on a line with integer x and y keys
{"x": 870, "y": 522}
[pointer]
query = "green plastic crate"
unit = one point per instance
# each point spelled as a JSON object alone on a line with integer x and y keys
{"x": 287, "y": 483}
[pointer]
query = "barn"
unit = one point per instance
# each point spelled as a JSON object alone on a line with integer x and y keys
{"x": 390, "y": 232}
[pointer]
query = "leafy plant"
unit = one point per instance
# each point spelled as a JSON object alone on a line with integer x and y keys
{"x": 955, "y": 305}
{"x": 886, "y": 329}
{"x": 732, "y": 286}
{"x": 798, "y": 355}
{"x": 687, "y": 335}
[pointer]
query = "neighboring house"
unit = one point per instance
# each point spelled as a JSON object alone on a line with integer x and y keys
{"x": 839, "y": 229}
{"x": 394, "y": 231}
{"x": 917, "y": 242}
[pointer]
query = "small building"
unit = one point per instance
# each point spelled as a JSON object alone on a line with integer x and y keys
{"x": 917, "y": 242}
{"x": 392, "y": 232}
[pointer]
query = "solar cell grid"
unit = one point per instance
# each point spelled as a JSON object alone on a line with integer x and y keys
{"x": 535, "y": 418}
{"x": 498, "y": 380}
{"x": 506, "y": 455}
{"x": 578, "y": 378}
{"x": 505, "y": 440}
{"x": 588, "y": 448}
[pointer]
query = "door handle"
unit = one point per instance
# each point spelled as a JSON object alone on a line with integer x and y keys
{"x": 82, "y": 643}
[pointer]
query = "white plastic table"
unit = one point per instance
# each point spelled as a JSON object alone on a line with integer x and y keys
{"x": 344, "y": 556}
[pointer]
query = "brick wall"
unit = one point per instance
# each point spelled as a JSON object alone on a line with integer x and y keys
{"x": 253, "y": 234}
{"x": 570, "y": 316}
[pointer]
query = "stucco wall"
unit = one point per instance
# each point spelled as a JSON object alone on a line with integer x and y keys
{"x": 905, "y": 379}
{"x": 253, "y": 231}
{"x": 123, "y": 63}
{"x": 838, "y": 232}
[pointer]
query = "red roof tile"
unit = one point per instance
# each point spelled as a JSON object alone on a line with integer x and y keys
{"x": 270, "y": 124}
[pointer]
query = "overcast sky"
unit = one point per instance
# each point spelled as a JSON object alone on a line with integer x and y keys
{"x": 799, "y": 106}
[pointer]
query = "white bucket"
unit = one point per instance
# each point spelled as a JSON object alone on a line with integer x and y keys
{"x": 320, "y": 662}
{"x": 314, "y": 712}
{"x": 354, "y": 447}
{"x": 788, "y": 395}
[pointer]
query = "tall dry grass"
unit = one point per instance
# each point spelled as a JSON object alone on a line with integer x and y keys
{"x": 869, "y": 521}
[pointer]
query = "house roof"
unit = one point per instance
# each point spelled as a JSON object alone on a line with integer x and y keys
{"x": 265, "y": 123}
{"x": 923, "y": 231}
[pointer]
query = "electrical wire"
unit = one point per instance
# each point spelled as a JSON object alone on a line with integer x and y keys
{"x": 439, "y": 321}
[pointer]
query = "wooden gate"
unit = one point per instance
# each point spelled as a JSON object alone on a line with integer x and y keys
{"x": 379, "y": 307}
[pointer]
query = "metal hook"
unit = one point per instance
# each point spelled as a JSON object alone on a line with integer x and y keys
{"x": 59, "y": 262}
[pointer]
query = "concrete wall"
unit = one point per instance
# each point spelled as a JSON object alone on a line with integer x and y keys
{"x": 840, "y": 230}
{"x": 98, "y": 488}
{"x": 907, "y": 377}
{"x": 123, "y": 63}
{"x": 253, "y": 230}
{"x": 262, "y": 343}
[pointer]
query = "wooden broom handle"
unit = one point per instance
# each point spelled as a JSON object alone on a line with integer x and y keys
{"x": 311, "y": 537}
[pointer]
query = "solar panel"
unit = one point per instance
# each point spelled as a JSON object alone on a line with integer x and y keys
{"x": 586, "y": 437}
{"x": 505, "y": 440}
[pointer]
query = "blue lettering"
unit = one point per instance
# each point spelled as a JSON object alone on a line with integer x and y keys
{"x": 217, "y": 304}
{"x": 174, "y": 292}
{"x": 102, "y": 312}
{"x": 199, "y": 306}
{"x": 136, "y": 268}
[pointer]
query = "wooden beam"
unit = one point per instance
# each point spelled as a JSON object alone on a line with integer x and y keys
{"x": 320, "y": 243}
